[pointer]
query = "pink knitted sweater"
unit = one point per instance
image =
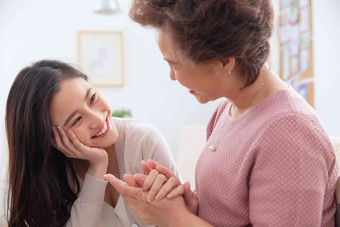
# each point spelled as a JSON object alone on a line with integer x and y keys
{"x": 274, "y": 166}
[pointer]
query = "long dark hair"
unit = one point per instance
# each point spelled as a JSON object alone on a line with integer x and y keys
{"x": 39, "y": 174}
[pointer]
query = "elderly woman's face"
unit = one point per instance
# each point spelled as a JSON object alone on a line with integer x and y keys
{"x": 77, "y": 106}
{"x": 201, "y": 80}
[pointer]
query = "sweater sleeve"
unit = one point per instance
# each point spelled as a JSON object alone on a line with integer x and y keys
{"x": 86, "y": 210}
{"x": 157, "y": 149}
{"x": 293, "y": 179}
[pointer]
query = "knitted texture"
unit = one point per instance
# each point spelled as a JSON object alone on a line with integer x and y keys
{"x": 274, "y": 166}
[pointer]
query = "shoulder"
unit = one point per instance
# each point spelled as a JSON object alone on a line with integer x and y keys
{"x": 288, "y": 122}
{"x": 285, "y": 109}
{"x": 291, "y": 110}
{"x": 296, "y": 134}
{"x": 133, "y": 130}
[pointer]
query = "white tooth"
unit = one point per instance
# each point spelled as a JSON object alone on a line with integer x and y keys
{"x": 104, "y": 129}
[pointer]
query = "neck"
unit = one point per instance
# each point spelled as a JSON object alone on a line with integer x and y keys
{"x": 249, "y": 96}
{"x": 110, "y": 150}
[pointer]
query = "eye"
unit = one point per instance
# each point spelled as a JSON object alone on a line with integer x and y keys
{"x": 76, "y": 121}
{"x": 93, "y": 98}
{"x": 174, "y": 67}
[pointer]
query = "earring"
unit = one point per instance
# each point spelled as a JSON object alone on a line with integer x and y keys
{"x": 228, "y": 72}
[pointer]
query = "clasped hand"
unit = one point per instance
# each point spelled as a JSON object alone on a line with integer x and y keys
{"x": 159, "y": 197}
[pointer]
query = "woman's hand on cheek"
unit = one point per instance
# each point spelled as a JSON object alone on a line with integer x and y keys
{"x": 68, "y": 143}
{"x": 159, "y": 213}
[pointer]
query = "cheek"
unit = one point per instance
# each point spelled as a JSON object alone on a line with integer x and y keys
{"x": 82, "y": 136}
{"x": 184, "y": 79}
{"x": 114, "y": 131}
{"x": 102, "y": 102}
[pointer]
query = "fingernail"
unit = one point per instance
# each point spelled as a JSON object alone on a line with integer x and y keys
{"x": 149, "y": 198}
{"x": 139, "y": 181}
{"x": 169, "y": 196}
{"x": 158, "y": 197}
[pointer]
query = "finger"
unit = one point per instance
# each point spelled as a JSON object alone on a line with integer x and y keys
{"x": 187, "y": 190}
{"x": 166, "y": 188}
{"x": 145, "y": 167}
{"x": 131, "y": 180}
{"x": 58, "y": 141}
{"x": 167, "y": 173}
{"x": 152, "y": 164}
{"x": 75, "y": 141}
{"x": 123, "y": 188}
{"x": 156, "y": 186}
{"x": 179, "y": 191}
{"x": 140, "y": 178}
{"x": 150, "y": 179}
{"x": 53, "y": 136}
{"x": 56, "y": 137}
{"x": 64, "y": 138}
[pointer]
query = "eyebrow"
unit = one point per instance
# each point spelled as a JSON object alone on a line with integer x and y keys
{"x": 76, "y": 111}
{"x": 171, "y": 62}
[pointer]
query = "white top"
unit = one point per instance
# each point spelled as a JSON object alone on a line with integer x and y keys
{"x": 137, "y": 141}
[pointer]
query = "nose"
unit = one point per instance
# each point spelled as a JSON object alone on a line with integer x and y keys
{"x": 173, "y": 75}
{"x": 96, "y": 118}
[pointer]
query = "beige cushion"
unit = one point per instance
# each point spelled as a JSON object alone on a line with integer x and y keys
{"x": 336, "y": 144}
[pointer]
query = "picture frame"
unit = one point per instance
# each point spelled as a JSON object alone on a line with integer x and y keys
{"x": 100, "y": 56}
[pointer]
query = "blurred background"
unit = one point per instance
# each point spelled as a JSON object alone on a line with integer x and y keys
{"x": 31, "y": 30}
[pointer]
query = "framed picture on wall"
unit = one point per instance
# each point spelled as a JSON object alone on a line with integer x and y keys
{"x": 100, "y": 56}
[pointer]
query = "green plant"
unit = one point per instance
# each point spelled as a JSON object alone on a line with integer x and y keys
{"x": 121, "y": 113}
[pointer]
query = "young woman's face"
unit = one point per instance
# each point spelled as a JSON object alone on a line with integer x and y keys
{"x": 77, "y": 106}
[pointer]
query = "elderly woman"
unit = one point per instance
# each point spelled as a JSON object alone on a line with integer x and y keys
{"x": 268, "y": 160}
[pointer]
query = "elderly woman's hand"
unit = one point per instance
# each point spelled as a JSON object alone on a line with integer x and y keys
{"x": 161, "y": 182}
{"x": 160, "y": 213}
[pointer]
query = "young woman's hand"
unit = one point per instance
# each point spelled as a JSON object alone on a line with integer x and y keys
{"x": 68, "y": 143}
{"x": 161, "y": 182}
{"x": 159, "y": 213}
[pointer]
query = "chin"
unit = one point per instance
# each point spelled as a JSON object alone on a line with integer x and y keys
{"x": 202, "y": 100}
{"x": 107, "y": 141}
{"x": 110, "y": 139}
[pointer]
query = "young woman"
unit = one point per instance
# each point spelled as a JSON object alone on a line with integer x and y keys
{"x": 268, "y": 160}
{"x": 62, "y": 139}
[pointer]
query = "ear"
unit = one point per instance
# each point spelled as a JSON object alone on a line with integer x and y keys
{"x": 228, "y": 63}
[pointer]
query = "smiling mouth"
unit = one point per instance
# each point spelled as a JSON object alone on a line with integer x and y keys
{"x": 103, "y": 131}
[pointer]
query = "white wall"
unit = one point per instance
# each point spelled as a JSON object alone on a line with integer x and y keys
{"x": 31, "y": 30}
{"x": 326, "y": 39}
